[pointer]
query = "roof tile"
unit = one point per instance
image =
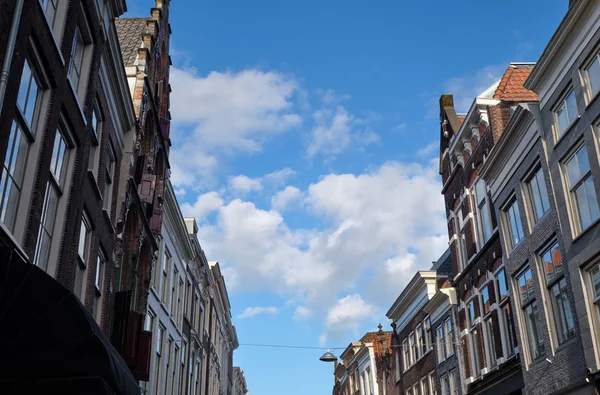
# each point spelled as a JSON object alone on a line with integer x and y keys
{"x": 130, "y": 32}
{"x": 511, "y": 86}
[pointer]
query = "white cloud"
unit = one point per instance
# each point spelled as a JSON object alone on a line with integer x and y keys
{"x": 254, "y": 311}
{"x": 348, "y": 311}
{"x": 302, "y": 313}
{"x": 280, "y": 176}
{"x": 223, "y": 113}
{"x": 284, "y": 198}
{"x": 375, "y": 229}
{"x": 204, "y": 205}
{"x": 244, "y": 184}
{"x": 428, "y": 150}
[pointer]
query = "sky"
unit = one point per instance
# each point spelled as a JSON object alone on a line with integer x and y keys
{"x": 305, "y": 143}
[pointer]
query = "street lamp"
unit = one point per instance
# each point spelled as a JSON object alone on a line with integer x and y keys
{"x": 328, "y": 357}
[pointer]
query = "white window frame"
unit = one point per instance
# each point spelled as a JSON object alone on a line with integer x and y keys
{"x": 537, "y": 175}
{"x": 572, "y": 186}
{"x": 590, "y": 93}
{"x": 563, "y": 104}
{"x": 511, "y": 212}
{"x": 485, "y": 227}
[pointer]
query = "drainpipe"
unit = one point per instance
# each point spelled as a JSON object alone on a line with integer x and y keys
{"x": 10, "y": 49}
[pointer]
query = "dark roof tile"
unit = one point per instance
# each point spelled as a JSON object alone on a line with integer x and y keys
{"x": 130, "y": 32}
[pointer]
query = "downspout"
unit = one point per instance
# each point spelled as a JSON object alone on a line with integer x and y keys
{"x": 10, "y": 49}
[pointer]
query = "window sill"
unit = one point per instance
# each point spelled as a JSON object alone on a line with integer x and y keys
{"x": 586, "y": 230}
{"x": 561, "y": 137}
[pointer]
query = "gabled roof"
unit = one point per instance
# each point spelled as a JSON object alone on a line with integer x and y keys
{"x": 130, "y": 32}
{"x": 511, "y": 86}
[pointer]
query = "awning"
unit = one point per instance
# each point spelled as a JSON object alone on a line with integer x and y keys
{"x": 46, "y": 335}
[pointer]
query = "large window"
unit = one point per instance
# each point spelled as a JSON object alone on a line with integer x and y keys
{"x": 594, "y": 293}
{"x": 452, "y": 382}
{"x": 484, "y": 216}
{"x": 99, "y": 283}
{"x": 51, "y": 9}
{"x": 592, "y": 72}
{"x": 513, "y": 221}
{"x": 505, "y": 320}
{"x": 83, "y": 249}
{"x": 76, "y": 61}
{"x": 54, "y": 190}
{"x": 164, "y": 284}
{"x": 109, "y": 174}
{"x": 433, "y": 382}
{"x": 531, "y": 319}
{"x": 566, "y": 113}
{"x": 421, "y": 348}
{"x": 584, "y": 203}
{"x": 441, "y": 346}
{"x": 413, "y": 348}
{"x": 474, "y": 340}
{"x": 445, "y": 385}
{"x": 536, "y": 186}
{"x": 22, "y": 133}
{"x": 557, "y": 289}
{"x": 405, "y": 354}
{"x": 449, "y": 337}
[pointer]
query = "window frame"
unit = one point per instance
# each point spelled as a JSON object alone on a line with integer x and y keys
{"x": 563, "y": 104}
{"x": 507, "y": 217}
{"x": 558, "y": 280}
{"x": 525, "y": 317}
{"x": 572, "y": 188}
{"x": 448, "y": 336}
{"x": 595, "y": 58}
{"x": 483, "y": 215}
{"x": 544, "y": 198}
{"x": 83, "y": 31}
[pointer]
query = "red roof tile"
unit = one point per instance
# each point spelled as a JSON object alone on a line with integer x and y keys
{"x": 511, "y": 87}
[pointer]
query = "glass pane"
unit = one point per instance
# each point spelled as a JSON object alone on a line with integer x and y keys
{"x": 536, "y": 198}
{"x": 43, "y": 250}
{"x": 590, "y": 192}
{"x": 83, "y": 232}
{"x": 563, "y": 120}
{"x": 543, "y": 192}
{"x": 502, "y": 288}
{"x": 583, "y": 205}
{"x": 593, "y": 73}
{"x": 485, "y": 296}
{"x": 51, "y": 208}
{"x": 571, "y": 107}
{"x": 480, "y": 191}
{"x": 583, "y": 161}
{"x": 595, "y": 278}
{"x": 24, "y": 87}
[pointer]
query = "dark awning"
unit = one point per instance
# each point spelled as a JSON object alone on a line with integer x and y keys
{"x": 46, "y": 334}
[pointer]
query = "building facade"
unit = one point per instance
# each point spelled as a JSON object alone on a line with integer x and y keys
{"x": 442, "y": 312}
{"x": 485, "y": 309}
{"x": 414, "y": 355}
{"x": 239, "y": 382}
{"x": 567, "y": 81}
{"x": 358, "y": 370}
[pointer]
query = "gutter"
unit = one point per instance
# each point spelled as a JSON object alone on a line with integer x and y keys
{"x": 10, "y": 49}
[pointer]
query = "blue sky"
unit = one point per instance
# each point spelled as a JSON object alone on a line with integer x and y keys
{"x": 304, "y": 142}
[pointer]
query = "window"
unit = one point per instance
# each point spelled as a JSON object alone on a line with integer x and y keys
{"x": 158, "y": 366}
{"x": 557, "y": 289}
{"x": 406, "y": 354}
{"x": 94, "y": 159}
{"x": 174, "y": 284}
{"x": 445, "y": 385}
{"x": 485, "y": 299}
{"x": 490, "y": 346}
{"x": 99, "y": 283}
{"x": 109, "y": 180}
{"x": 21, "y": 136}
{"x": 515, "y": 228}
{"x": 566, "y": 113}
{"x": 594, "y": 292}
{"x": 182, "y": 371}
{"x": 530, "y": 314}
{"x": 592, "y": 72}
{"x": 536, "y": 186}
{"x": 54, "y": 191}
{"x": 166, "y": 264}
{"x": 471, "y": 312}
{"x": 584, "y": 202}
{"x": 76, "y": 61}
{"x": 421, "y": 341}
{"x": 425, "y": 385}
{"x": 50, "y": 8}
{"x": 179, "y": 299}
{"x": 449, "y": 338}
{"x": 462, "y": 242}
{"x": 85, "y": 241}
{"x": 475, "y": 347}
{"x": 484, "y": 216}
{"x": 501, "y": 285}
{"x": 427, "y": 324}
{"x": 433, "y": 382}
{"x": 452, "y": 382}
{"x": 441, "y": 347}
{"x": 413, "y": 348}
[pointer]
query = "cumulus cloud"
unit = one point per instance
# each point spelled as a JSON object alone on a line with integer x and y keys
{"x": 284, "y": 198}
{"x": 224, "y": 113}
{"x": 375, "y": 229}
{"x": 250, "y": 312}
{"x": 204, "y": 205}
{"x": 244, "y": 184}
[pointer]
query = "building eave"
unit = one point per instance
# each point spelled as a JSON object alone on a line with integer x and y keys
{"x": 409, "y": 292}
